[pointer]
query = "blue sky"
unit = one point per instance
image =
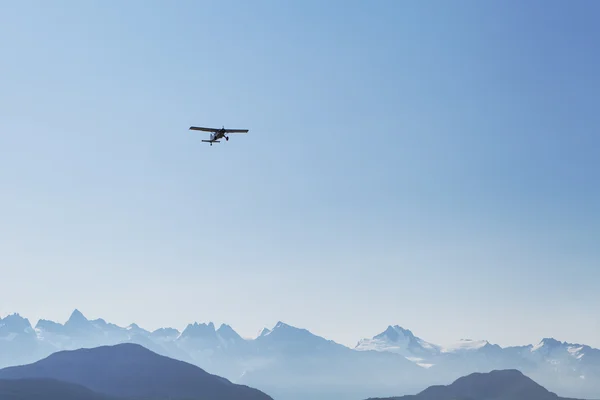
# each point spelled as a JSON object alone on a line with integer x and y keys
{"x": 428, "y": 164}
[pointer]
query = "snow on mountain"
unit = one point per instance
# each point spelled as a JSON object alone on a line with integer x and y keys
{"x": 546, "y": 345}
{"x": 263, "y": 332}
{"x": 464, "y": 345}
{"x": 398, "y": 340}
{"x": 282, "y": 330}
{"x": 555, "y": 353}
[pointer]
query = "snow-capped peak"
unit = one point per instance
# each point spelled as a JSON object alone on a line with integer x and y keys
{"x": 281, "y": 325}
{"x": 395, "y": 333}
{"x": 263, "y": 332}
{"x": 546, "y": 343}
{"x": 396, "y": 339}
{"x": 278, "y": 328}
{"x": 282, "y": 328}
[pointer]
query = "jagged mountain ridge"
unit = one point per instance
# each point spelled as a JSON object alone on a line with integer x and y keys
{"x": 298, "y": 357}
{"x": 396, "y": 339}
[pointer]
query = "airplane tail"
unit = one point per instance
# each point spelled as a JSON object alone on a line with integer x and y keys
{"x": 211, "y": 141}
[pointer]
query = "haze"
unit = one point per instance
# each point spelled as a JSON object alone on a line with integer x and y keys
{"x": 428, "y": 164}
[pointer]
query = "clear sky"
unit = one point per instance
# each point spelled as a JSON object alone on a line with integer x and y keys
{"x": 430, "y": 164}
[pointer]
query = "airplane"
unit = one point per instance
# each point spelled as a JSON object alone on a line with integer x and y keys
{"x": 217, "y": 133}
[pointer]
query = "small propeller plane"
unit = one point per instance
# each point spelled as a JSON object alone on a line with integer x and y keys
{"x": 217, "y": 134}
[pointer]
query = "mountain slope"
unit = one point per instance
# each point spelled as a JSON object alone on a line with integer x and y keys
{"x": 46, "y": 389}
{"x": 130, "y": 370}
{"x": 495, "y": 385}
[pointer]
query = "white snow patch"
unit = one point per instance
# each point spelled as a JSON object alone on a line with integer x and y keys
{"x": 464, "y": 345}
{"x": 10, "y": 337}
{"x": 537, "y": 347}
{"x": 426, "y": 366}
{"x": 574, "y": 350}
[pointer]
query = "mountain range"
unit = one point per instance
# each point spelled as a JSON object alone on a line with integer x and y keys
{"x": 292, "y": 363}
{"x": 131, "y": 372}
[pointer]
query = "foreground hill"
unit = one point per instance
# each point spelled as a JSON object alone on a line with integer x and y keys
{"x": 130, "y": 370}
{"x": 46, "y": 389}
{"x": 496, "y": 385}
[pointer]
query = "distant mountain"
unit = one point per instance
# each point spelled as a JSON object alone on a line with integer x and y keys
{"x": 19, "y": 343}
{"x": 496, "y": 385}
{"x": 46, "y": 389}
{"x": 287, "y": 361}
{"x": 130, "y": 370}
{"x": 464, "y": 346}
{"x": 396, "y": 339}
{"x": 296, "y": 364}
{"x": 570, "y": 369}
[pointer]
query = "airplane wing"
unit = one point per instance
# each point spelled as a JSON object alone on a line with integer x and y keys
{"x": 197, "y": 128}
{"x": 236, "y": 130}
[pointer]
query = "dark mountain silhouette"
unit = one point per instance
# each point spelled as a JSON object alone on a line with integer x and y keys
{"x": 506, "y": 384}
{"x": 495, "y": 385}
{"x": 130, "y": 370}
{"x": 46, "y": 389}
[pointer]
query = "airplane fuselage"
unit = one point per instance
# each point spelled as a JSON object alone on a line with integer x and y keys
{"x": 214, "y": 137}
{"x": 218, "y": 135}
